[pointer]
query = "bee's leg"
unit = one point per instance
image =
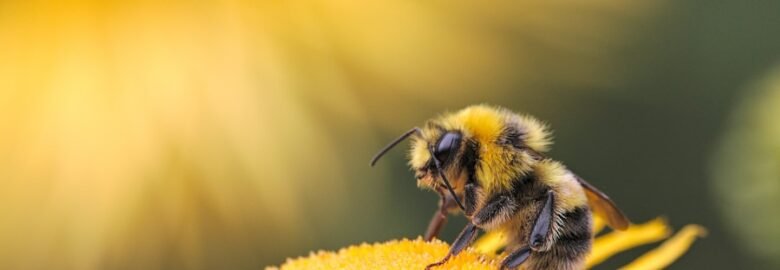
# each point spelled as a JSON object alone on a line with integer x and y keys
{"x": 470, "y": 198}
{"x": 439, "y": 218}
{"x": 447, "y": 205}
{"x": 496, "y": 211}
{"x": 541, "y": 230}
{"x": 434, "y": 227}
{"x": 437, "y": 221}
{"x": 539, "y": 237}
{"x": 464, "y": 239}
{"x": 516, "y": 258}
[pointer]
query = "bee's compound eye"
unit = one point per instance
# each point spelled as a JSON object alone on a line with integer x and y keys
{"x": 446, "y": 145}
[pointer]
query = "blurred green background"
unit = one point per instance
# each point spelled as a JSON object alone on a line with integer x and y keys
{"x": 235, "y": 134}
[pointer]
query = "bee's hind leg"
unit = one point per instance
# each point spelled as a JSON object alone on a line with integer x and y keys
{"x": 464, "y": 239}
{"x": 541, "y": 233}
{"x": 538, "y": 237}
{"x": 516, "y": 258}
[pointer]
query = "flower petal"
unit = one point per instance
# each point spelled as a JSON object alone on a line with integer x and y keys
{"x": 670, "y": 250}
{"x": 617, "y": 241}
{"x": 490, "y": 243}
{"x": 598, "y": 224}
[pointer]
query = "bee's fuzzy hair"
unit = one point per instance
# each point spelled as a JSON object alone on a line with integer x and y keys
{"x": 493, "y": 129}
{"x": 489, "y": 121}
{"x": 536, "y": 134}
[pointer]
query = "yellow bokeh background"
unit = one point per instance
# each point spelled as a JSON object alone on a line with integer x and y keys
{"x": 234, "y": 134}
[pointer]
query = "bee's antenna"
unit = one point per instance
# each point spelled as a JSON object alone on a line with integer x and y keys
{"x": 446, "y": 182}
{"x": 393, "y": 143}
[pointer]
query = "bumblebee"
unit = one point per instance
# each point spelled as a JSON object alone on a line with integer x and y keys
{"x": 489, "y": 163}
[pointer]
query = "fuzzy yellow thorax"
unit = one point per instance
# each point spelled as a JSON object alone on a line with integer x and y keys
{"x": 485, "y": 124}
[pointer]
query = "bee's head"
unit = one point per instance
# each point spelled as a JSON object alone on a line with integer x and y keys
{"x": 435, "y": 155}
{"x": 447, "y": 151}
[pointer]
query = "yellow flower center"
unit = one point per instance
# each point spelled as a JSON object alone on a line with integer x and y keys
{"x": 395, "y": 254}
{"x": 416, "y": 254}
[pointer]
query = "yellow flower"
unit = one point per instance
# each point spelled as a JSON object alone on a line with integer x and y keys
{"x": 416, "y": 254}
{"x": 394, "y": 254}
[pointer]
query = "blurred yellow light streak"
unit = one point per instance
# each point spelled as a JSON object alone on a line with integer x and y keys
{"x": 173, "y": 135}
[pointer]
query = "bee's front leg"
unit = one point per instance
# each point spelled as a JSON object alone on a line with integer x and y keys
{"x": 434, "y": 226}
{"x": 447, "y": 204}
{"x": 470, "y": 197}
{"x": 464, "y": 239}
{"x": 496, "y": 211}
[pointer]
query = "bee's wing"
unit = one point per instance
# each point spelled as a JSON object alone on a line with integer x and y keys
{"x": 603, "y": 206}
